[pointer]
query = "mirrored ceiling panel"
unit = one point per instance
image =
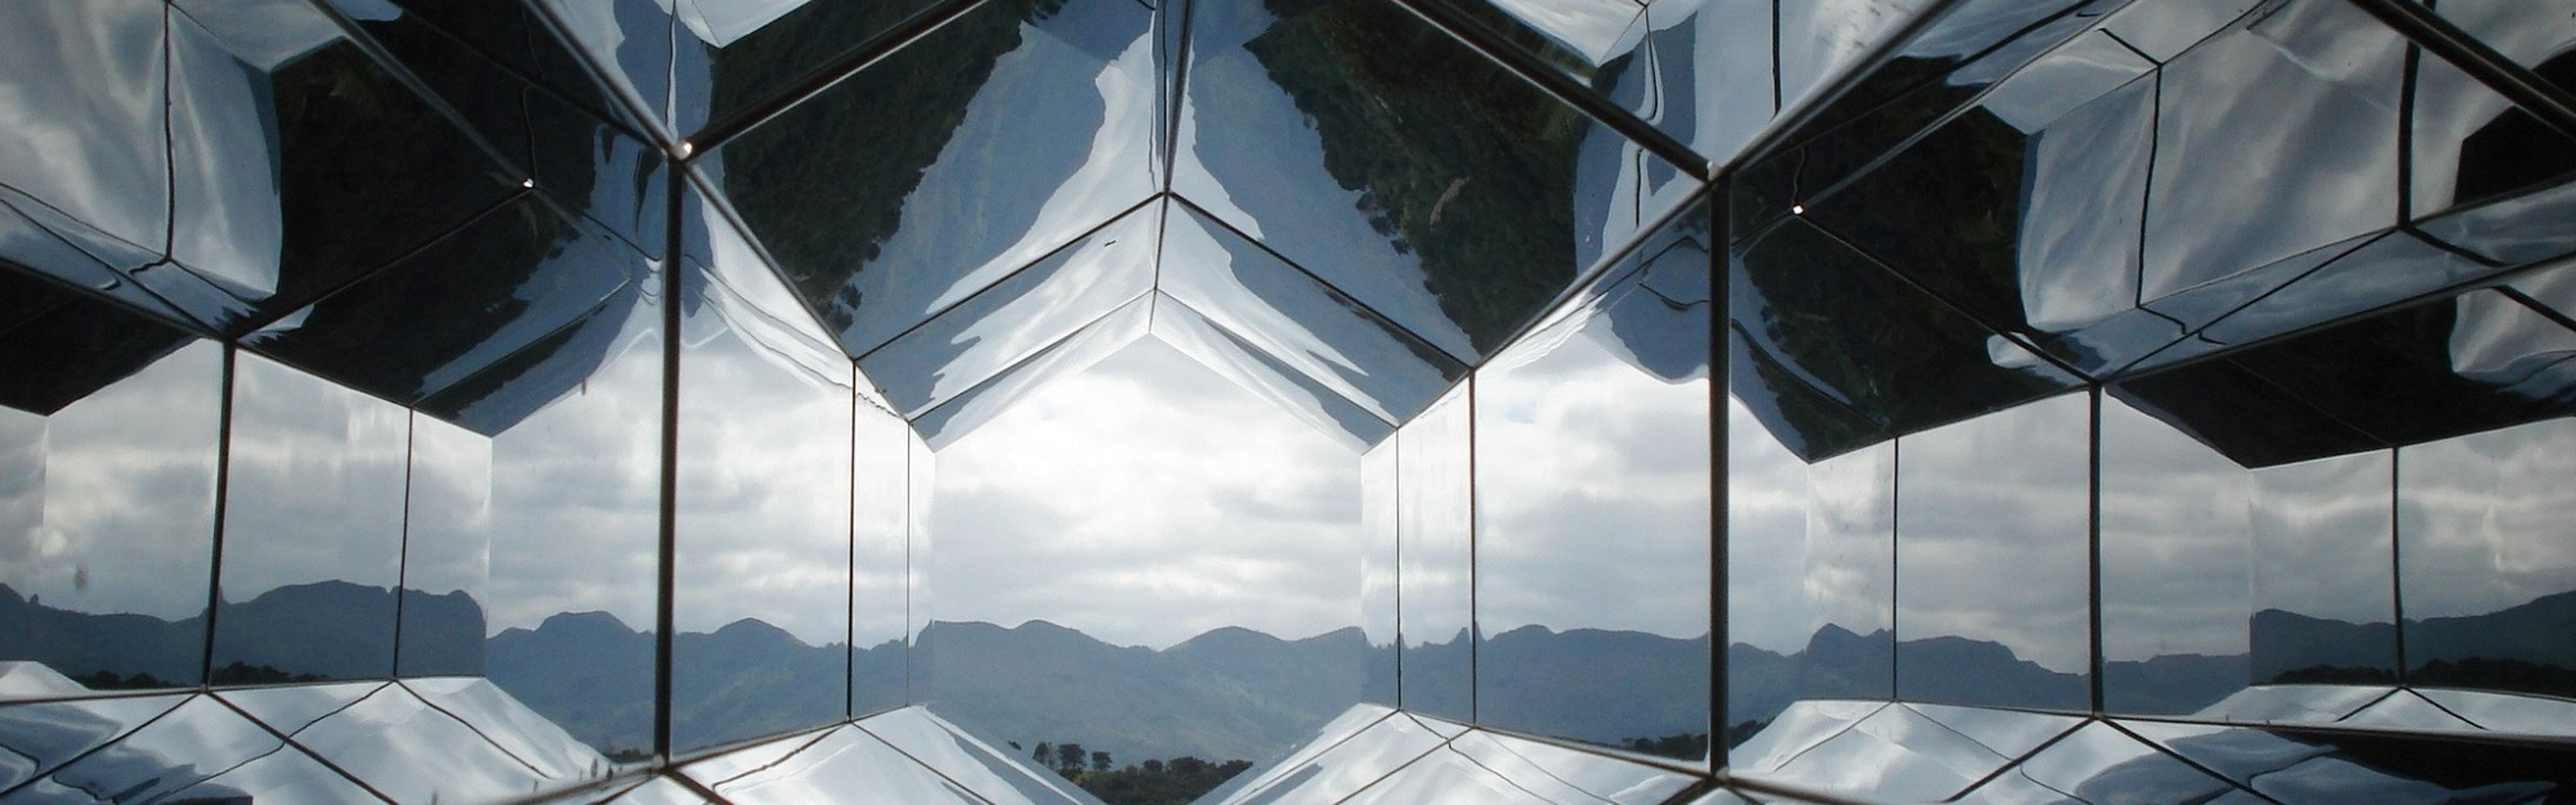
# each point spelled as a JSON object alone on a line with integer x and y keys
{"x": 1254, "y": 368}
{"x": 459, "y": 306}
{"x": 1019, "y": 316}
{"x": 1076, "y": 352}
{"x": 734, "y": 59}
{"x": 1298, "y": 320}
{"x": 1401, "y": 166}
{"x": 891, "y": 195}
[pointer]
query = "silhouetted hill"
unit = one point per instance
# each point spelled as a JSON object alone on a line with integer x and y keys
{"x": 1228, "y": 694}
{"x": 1594, "y": 685}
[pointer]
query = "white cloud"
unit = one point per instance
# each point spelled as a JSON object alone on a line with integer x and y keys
{"x": 1146, "y": 501}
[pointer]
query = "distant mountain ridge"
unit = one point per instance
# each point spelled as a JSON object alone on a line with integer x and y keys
{"x": 1229, "y": 693}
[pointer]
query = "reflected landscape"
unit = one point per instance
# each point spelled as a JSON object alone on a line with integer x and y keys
{"x": 1284, "y": 401}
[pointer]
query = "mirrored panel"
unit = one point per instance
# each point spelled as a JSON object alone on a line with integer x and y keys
{"x": 880, "y": 557}
{"x": 1592, "y": 516}
{"x": 1914, "y": 362}
{"x": 2005, "y": 495}
{"x": 887, "y": 198}
{"x": 2176, "y": 520}
{"x": 301, "y": 163}
{"x": 1263, "y": 373}
{"x": 2324, "y": 591}
{"x": 1811, "y": 574}
{"x": 730, "y": 59}
{"x": 1401, "y": 166}
{"x": 447, "y": 551}
{"x": 459, "y": 306}
{"x": 1380, "y": 574}
{"x": 1143, "y": 561}
{"x": 87, "y": 93}
{"x": 526, "y": 96}
{"x": 773, "y": 525}
{"x": 2485, "y": 563}
{"x": 110, "y": 434}
{"x": 568, "y": 610}
{"x": 1293, "y": 318}
{"x": 2024, "y": 208}
{"x": 312, "y": 530}
{"x": 178, "y": 749}
{"x": 1435, "y": 502}
{"x": 2329, "y": 133}
{"x": 762, "y": 511}
{"x": 625, "y": 44}
{"x": 1020, "y": 316}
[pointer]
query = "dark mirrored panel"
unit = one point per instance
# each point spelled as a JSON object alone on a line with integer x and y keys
{"x": 888, "y": 197}
{"x": 1380, "y": 574}
{"x": 2478, "y": 361}
{"x": 2024, "y": 208}
{"x": 107, "y": 496}
{"x": 626, "y": 45}
{"x": 762, "y": 512}
{"x": 2002, "y": 496}
{"x": 1435, "y": 489}
{"x": 2470, "y": 145}
{"x": 2324, "y": 589}
{"x": 1401, "y": 166}
{"x": 302, "y": 164}
{"x": 514, "y": 36}
{"x": 574, "y": 422}
{"x": 510, "y": 279}
{"x": 447, "y": 551}
{"x": 2308, "y": 89}
{"x": 1911, "y": 362}
{"x": 2485, "y": 564}
{"x": 1024, "y": 314}
{"x": 735, "y": 59}
{"x": 1944, "y": 66}
{"x": 880, "y": 558}
{"x": 526, "y": 95}
{"x": 2176, "y": 520}
{"x": 313, "y": 527}
{"x": 1592, "y": 486}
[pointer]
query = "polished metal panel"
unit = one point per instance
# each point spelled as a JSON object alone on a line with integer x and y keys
{"x": 2003, "y": 493}
{"x": 762, "y": 518}
{"x": 313, "y": 529}
{"x": 1593, "y": 482}
{"x": 1042, "y": 128}
{"x": 108, "y": 503}
{"x": 1331, "y": 133}
{"x": 1434, "y": 512}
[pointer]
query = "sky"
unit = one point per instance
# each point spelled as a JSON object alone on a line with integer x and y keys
{"x": 1146, "y": 501}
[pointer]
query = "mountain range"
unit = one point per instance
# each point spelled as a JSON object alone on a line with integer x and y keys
{"x": 1229, "y": 693}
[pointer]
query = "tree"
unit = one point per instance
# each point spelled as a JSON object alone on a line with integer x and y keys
{"x": 1099, "y": 761}
{"x": 1045, "y": 755}
{"x": 1069, "y": 757}
{"x": 1154, "y": 766}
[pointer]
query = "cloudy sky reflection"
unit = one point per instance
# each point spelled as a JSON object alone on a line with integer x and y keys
{"x": 1146, "y": 501}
